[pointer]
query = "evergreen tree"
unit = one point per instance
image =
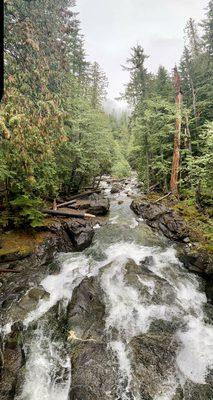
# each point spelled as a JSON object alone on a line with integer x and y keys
{"x": 207, "y": 25}
{"x": 136, "y": 89}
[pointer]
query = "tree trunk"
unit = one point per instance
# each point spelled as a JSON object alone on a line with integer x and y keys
{"x": 147, "y": 171}
{"x": 99, "y": 181}
{"x": 176, "y": 152}
{"x": 188, "y": 134}
{"x": 194, "y": 103}
{"x": 165, "y": 186}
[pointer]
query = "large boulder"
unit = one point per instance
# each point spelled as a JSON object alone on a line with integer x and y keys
{"x": 99, "y": 205}
{"x": 161, "y": 218}
{"x": 93, "y": 375}
{"x": 11, "y": 361}
{"x": 80, "y": 233}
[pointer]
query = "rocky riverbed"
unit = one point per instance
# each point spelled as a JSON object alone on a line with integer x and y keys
{"x": 171, "y": 224}
{"x": 121, "y": 319}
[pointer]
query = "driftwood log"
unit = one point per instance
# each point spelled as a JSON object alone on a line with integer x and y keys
{"x": 67, "y": 203}
{"x": 78, "y": 196}
{"x": 163, "y": 197}
{"x": 68, "y": 214}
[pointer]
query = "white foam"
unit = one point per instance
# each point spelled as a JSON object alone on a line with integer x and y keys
{"x": 126, "y": 312}
{"x": 195, "y": 357}
{"x": 168, "y": 389}
{"x": 113, "y": 220}
{"x": 131, "y": 315}
{"x": 134, "y": 224}
{"x": 61, "y": 285}
{"x": 96, "y": 226}
{"x": 45, "y": 360}
{"x": 48, "y": 372}
{"x": 129, "y": 312}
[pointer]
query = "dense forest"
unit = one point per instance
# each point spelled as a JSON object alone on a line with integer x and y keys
{"x": 56, "y": 138}
{"x": 172, "y": 140}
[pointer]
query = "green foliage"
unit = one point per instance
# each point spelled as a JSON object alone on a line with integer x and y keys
{"x": 200, "y": 168}
{"x": 154, "y": 114}
{"x": 54, "y": 136}
{"x": 28, "y": 213}
{"x": 121, "y": 168}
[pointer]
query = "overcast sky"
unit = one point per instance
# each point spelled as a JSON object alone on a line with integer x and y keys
{"x": 112, "y": 27}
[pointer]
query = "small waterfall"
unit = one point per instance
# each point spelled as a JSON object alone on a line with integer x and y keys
{"x": 130, "y": 313}
{"x": 48, "y": 368}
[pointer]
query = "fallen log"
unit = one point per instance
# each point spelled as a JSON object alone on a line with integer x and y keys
{"x": 164, "y": 197}
{"x": 67, "y": 203}
{"x": 14, "y": 271}
{"x": 68, "y": 214}
{"x": 78, "y": 196}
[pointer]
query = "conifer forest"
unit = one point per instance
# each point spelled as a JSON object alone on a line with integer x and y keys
{"x": 106, "y": 233}
{"x": 56, "y": 136}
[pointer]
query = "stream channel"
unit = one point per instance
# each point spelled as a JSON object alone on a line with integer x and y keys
{"x": 123, "y": 320}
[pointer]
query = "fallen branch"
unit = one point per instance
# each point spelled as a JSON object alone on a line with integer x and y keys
{"x": 153, "y": 187}
{"x": 161, "y": 198}
{"x": 67, "y": 203}
{"x": 86, "y": 215}
{"x": 78, "y": 196}
{"x": 14, "y": 271}
{"x": 68, "y": 214}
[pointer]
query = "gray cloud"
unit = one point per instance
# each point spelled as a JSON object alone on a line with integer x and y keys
{"x": 112, "y": 27}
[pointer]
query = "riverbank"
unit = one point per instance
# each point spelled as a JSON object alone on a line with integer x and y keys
{"x": 184, "y": 224}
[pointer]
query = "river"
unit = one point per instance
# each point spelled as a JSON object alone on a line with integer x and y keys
{"x": 153, "y": 329}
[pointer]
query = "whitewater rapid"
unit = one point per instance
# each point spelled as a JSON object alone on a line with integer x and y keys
{"x": 130, "y": 309}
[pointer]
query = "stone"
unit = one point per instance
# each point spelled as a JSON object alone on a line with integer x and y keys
{"x": 80, "y": 234}
{"x": 93, "y": 375}
{"x": 99, "y": 205}
{"x": 162, "y": 218}
{"x": 13, "y": 360}
{"x": 170, "y": 224}
{"x": 115, "y": 189}
{"x": 153, "y": 355}
{"x": 186, "y": 240}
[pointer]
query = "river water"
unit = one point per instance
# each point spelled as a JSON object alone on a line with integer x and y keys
{"x": 143, "y": 285}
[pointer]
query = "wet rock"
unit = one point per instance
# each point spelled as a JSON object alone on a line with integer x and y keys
{"x": 149, "y": 285}
{"x": 140, "y": 185}
{"x": 154, "y": 356}
{"x": 93, "y": 376}
{"x": 86, "y": 310}
{"x": 159, "y": 217}
{"x": 115, "y": 189}
{"x": 61, "y": 235}
{"x": 197, "y": 391}
{"x": 80, "y": 234}
{"x": 17, "y": 309}
{"x": 11, "y": 362}
{"x": 10, "y": 257}
{"x": 99, "y": 205}
{"x": 197, "y": 260}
